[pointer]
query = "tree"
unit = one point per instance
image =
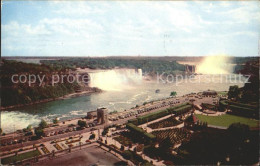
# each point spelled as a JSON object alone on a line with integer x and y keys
{"x": 238, "y": 131}
{"x": 233, "y": 92}
{"x": 29, "y": 127}
{"x": 38, "y": 132}
{"x": 122, "y": 148}
{"x": 55, "y": 121}
{"x": 82, "y": 123}
{"x": 92, "y": 136}
{"x": 127, "y": 155}
{"x": 105, "y": 131}
{"x": 166, "y": 146}
{"x": 43, "y": 124}
{"x": 173, "y": 93}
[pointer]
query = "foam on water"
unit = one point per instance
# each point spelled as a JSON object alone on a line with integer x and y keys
{"x": 215, "y": 65}
{"x": 79, "y": 112}
{"x": 116, "y": 79}
{"x": 15, "y": 120}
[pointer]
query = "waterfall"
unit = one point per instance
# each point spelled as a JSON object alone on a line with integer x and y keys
{"x": 115, "y": 79}
{"x": 215, "y": 65}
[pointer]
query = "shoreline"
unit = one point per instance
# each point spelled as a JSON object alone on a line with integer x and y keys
{"x": 71, "y": 95}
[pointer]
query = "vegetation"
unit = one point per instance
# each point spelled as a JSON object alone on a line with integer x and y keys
{"x": 135, "y": 158}
{"x": 179, "y": 109}
{"x": 152, "y": 116}
{"x": 171, "y": 121}
{"x": 222, "y": 105}
{"x": 20, "y": 157}
{"x": 43, "y": 124}
{"x": 235, "y": 146}
{"x": 82, "y": 123}
{"x": 123, "y": 140}
{"x": 249, "y": 93}
{"x": 222, "y": 93}
{"x": 171, "y": 109}
{"x": 57, "y": 146}
{"x": 209, "y": 106}
{"x": 38, "y": 132}
{"x": 145, "y": 103}
{"x": 182, "y": 110}
{"x": 250, "y": 106}
{"x": 173, "y": 93}
{"x": 92, "y": 136}
{"x": 22, "y": 93}
{"x": 55, "y": 121}
{"x": 176, "y": 136}
{"x": 166, "y": 139}
{"x": 29, "y": 128}
{"x": 244, "y": 111}
{"x": 105, "y": 131}
{"x": 226, "y": 120}
{"x": 234, "y": 92}
{"x": 141, "y": 132}
{"x": 147, "y": 65}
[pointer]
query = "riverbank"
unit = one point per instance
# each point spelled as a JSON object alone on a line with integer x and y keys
{"x": 75, "y": 94}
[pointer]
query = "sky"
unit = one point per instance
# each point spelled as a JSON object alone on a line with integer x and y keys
{"x": 117, "y": 28}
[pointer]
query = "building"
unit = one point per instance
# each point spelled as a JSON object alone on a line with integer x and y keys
{"x": 209, "y": 93}
{"x": 102, "y": 115}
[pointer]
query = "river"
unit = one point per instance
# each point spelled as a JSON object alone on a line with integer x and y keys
{"x": 130, "y": 90}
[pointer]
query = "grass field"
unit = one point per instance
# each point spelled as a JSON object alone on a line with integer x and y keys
{"x": 20, "y": 157}
{"x": 226, "y": 120}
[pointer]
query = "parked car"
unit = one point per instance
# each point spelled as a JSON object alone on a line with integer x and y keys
{"x": 93, "y": 129}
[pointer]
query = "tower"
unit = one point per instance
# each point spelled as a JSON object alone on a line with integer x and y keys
{"x": 102, "y": 115}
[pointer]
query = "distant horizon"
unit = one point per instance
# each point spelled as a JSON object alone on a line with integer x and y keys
{"x": 119, "y": 28}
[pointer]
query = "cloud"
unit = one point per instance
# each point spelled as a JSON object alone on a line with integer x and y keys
{"x": 88, "y": 28}
{"x": 245, "y": 13}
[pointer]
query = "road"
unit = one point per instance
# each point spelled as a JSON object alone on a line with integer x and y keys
{"x": 120, "y": 122}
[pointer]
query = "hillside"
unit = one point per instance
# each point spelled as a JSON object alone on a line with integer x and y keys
{"x": 20, "y": 92}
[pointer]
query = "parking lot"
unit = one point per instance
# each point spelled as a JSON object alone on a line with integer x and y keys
{"x": 92, "y": 155}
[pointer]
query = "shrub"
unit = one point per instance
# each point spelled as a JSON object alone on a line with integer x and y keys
{"x": 134, "y": 121}
{"x": 43, "y": 124}
{"x": 127, "y": 155}
{"x": 152, "y": 116}
{"x": 38, "y": 132}
{"x": 82, "y": 123}
{"x": 92, "y": 136}
{"x": 55, "y": 121}
{"x": 182, "y": 110}
{"x": 138, "y": 130}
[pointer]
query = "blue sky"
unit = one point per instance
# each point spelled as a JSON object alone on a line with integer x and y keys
{"x": 162, "y": 28}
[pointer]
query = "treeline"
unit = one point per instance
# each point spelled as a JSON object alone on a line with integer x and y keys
{"x": 147, "y": 65}
{"x": 20, "y": 95}
{"x": 235, "y": 146}
{"x": 243, "y": 60}
{"x": 247, "y": 65}
{"x": 13, "y": 94}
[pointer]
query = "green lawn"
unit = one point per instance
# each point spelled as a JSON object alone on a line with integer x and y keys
{"x": 226, "y": 120}
{"x": 20, "y": 157}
